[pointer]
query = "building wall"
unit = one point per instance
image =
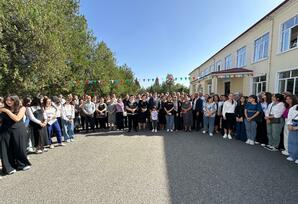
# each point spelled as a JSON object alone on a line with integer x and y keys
{"x": 270, "y": 66}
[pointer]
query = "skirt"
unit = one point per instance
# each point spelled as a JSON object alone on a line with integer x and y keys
{"x": 162, "y": 117}
{"x": 142, "y": 116}
{"x": 188, "y": 118}
{"x": 230, "y": 121}
{"x": 293, "y": 144}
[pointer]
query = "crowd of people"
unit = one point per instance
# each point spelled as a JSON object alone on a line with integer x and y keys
{"x": 28, "y": 125}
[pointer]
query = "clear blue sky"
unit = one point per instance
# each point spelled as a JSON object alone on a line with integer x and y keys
{"x": 156, "y": 37}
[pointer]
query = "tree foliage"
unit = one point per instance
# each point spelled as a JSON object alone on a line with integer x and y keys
{"x": 45, "y": 45}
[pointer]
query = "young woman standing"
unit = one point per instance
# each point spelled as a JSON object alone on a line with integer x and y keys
{"x": 13, "y": 134}
{"x": 228, "y": 113}
{"x": 209, "y": 115}
{"x": 252, "y": 110}
{"x": 143, "y": 112}
{"x": 52, "y": 122}
{"x": 170, "y": 112}
{"x": 240, "y": 126}
{"x": 293, "y": 134}
{"x": 186, "y": 110}
{"x": 68, "y": 116}
{"x": 289, "y": 103}
{"x": 273, "y": 117}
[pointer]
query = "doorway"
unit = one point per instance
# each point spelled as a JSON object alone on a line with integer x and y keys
{"x": 227, "y": 88}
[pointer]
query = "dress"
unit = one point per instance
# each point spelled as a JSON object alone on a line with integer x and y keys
{"x": 143, "y": 114}
{"x": 162, "y": 114}
{"x": 112, "y": 113}
{"x": 187, "y": 116}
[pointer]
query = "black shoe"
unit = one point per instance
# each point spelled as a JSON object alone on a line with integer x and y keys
{"x": 129, "y": 131}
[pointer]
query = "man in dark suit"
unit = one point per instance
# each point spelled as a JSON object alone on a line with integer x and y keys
{"x": 197, "y": 111}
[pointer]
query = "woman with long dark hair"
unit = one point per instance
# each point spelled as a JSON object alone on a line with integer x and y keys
{"x": 293, "y": 134}
{"x": 38, "y": 125}
{"x": 290, "y": 101}
{"x": 240, "y": 125}
{"x": 273, "y": 117}
{"x": 13, "y": 134}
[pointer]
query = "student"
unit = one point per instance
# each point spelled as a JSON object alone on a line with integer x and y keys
{"x": 240, "y": 126}
{"x": 273, "y": 117}
{"x": 209, "y": 115}
{"x": 52, "y": 122}
{"x": 293, "y": 134}
{"x": 170, "y": 112}
{"x": 13, "y": 134}
{"x": 290, "y": 101}
{"x": 111, "y": 107}
{"x": 154, "y": 118}
{"x": 68, "y": 116}
{"x": 262, "y": 125}
{"x": 252, "y": 111}
{"x": 38, "y": 124}
{"x": 228, "y": 113}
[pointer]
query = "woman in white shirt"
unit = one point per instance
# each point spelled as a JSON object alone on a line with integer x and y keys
{"x": 38, "y": 124}
{"x": 293, "y": 134}
{"x": 52, "y": 122}
{"x": 228, "y": 113}
{"x": 68, "y": 116}
{"x": 273, "y": 117}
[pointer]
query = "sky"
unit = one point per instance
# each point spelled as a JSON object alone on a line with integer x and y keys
{"x": 157, "y": 37}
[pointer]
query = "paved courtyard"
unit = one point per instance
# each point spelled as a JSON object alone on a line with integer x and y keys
{"x": 154, "y": 168}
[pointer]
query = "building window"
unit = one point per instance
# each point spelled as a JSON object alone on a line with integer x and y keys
{"x": 288, "y": 81}
{"x": 241, "y": 57}
{"x": 259, "y": 84}
{"x": 228, "y": 62}
{"x": 289, "y": 34}
{"x": 218, "y": 65}
{"x": 261, "y": 47}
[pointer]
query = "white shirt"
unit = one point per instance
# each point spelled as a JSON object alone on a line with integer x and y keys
{"x": 275, "y": 109}
{"x": 293, "y": 114}
{"x": 50, "y": 114}
{"x": 154, "y": 115}
{"x": 194, "y": 104}
{"x": 228, "y": 107}
{"x": 30, "y": 111}
{"x": 68, "y": 112}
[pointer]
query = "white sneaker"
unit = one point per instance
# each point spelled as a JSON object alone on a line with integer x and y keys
{"x": 171, "y": 130}
{"x": 296, "y": 162}
{"x": 252, "y": 142}
{"x": 257, "y": 143}
{"x": 67, "y": 141}
{"x": 52, "y": 146}
{"x": 210, "y": 134}
{"x": 263, "y": 145}
{"x": 290, "y": 159}
{"x": 273, "y": 149}
{"x": 247, "y": 141}
{"x": 204, "y": 132}
{"x": 71, "y": 140}
{"x": 12, "y": 172}
{"x": 230, "y": 137}
{"x": 168, "y": 130}
{"x": 225, "y": 136}
{"x": 153, "y": 130}
{"x": 26, "y": 168}
{"x": 286, "y": 153}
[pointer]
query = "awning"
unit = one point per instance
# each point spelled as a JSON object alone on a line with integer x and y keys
{"x": 229, "y": 73}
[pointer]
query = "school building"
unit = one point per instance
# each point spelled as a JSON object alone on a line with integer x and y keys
{"x": 263, "y": 58}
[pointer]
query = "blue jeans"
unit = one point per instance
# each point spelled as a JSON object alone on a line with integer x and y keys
{"x": 54, "y": 127}
{"x": 68, "y": 129}
{"x": 240, "y": 131}
{"x": 170, "y": 122}
{"x": 209, "y": 122}
{"x": 251, "y": 129}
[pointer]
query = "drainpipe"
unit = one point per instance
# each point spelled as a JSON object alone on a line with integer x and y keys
{"x": 270, "y": 53}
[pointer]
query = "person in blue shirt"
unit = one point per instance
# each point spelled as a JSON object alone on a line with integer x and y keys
{"x": 251, "y": 112}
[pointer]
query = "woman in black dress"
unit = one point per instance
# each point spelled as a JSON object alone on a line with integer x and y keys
{"x": 13, "y": 134}
{"x": 143, "y": 112}
{"x": 132, "y": 110}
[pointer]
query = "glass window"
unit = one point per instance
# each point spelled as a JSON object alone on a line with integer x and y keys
{"x": 241, "y": 57}
{"x": 261, "y": 47}
{"x": 296, "y": 86}
{"x": 284, "y": 75}
{"x": 264, "y": 86}
{"x": 290, "y": 85}
{"x": 218, "y": 65}
{"x": 259, "y": 84}
{"x": 289, "y": 34}
{"x": 281, "y": 86}
{"x": 228, "y": 62}
{"x": 294, "y": 73}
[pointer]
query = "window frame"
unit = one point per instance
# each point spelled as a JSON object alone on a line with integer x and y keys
{"x": 241, "y": 57}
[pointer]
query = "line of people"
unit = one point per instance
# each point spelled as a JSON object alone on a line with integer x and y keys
{"x": 28, "y": 126}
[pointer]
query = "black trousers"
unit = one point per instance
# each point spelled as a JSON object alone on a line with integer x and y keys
{"x": 13, "y": 149}
{"x": 83, "y": 122}
{"x": 119, "y": 120}
{"x": 198, "y": 120}
{"x": 132, "y": 122}
{"x": 102, "y": 122}
{"x": 89, "y": 122}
